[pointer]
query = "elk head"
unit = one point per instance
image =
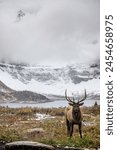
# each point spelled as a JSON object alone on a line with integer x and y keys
{"x": 79, "y": 102}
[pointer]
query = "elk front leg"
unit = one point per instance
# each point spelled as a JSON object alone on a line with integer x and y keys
{"x": 80, "y": 130}
{"x": 71, "y": 129}
{"x": 68, "y": 127}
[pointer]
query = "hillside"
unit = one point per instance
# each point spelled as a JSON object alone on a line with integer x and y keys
{"x": 9, "y": 95}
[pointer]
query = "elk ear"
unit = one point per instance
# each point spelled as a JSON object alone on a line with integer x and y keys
{"x": 71, "y": 104}
{"x": 81, "y": 104}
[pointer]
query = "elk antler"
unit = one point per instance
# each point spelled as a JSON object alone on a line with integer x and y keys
{"x": 68, "y": 98}
{"x": 82, "y": 99}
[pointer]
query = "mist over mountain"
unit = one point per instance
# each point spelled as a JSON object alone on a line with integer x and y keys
{"x": 49, "y": 31}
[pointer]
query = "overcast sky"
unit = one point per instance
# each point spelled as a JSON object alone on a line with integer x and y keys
{"x": 50, "y": 32}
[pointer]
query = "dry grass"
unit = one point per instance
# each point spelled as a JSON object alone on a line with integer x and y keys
{"x": 15, "y": 124}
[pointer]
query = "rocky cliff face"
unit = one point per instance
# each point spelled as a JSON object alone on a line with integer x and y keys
{"x": 74, "y": 73}
{"x": 51, "y": 80}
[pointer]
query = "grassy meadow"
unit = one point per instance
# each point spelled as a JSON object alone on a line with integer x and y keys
{"x": 21, "y": 124}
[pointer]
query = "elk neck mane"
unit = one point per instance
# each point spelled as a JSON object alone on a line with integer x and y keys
{"x": 76, "y": 115}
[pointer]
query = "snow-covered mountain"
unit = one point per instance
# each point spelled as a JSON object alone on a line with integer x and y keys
{"x": 4, "y": 88}
{"x": 51, "y": 80}
{"x": 7, "y": 94}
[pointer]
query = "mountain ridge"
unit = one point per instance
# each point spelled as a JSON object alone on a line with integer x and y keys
{"x": 51, "y": 80}
{"x": 9, "y": 95}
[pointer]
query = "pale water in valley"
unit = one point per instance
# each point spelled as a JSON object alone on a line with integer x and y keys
{"x": 56, "y": 104}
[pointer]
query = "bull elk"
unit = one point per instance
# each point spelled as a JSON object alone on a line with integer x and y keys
{"x": 73, "y": 113}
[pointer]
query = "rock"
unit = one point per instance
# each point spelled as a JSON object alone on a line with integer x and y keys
{"x": 2, "y": 145}
{"x": 27, "y": 145}
{"x": 35, "y": 132}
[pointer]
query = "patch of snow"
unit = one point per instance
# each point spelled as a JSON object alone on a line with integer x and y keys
{"x": 40, "y": 116}
{"x": 7, "y": 79}
{"x": 88, "y": 123}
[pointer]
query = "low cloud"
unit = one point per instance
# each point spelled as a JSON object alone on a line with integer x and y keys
{"x": 51, "y": 31}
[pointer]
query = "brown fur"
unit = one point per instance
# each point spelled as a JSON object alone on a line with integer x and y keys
{"x": 70, "y": 120}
